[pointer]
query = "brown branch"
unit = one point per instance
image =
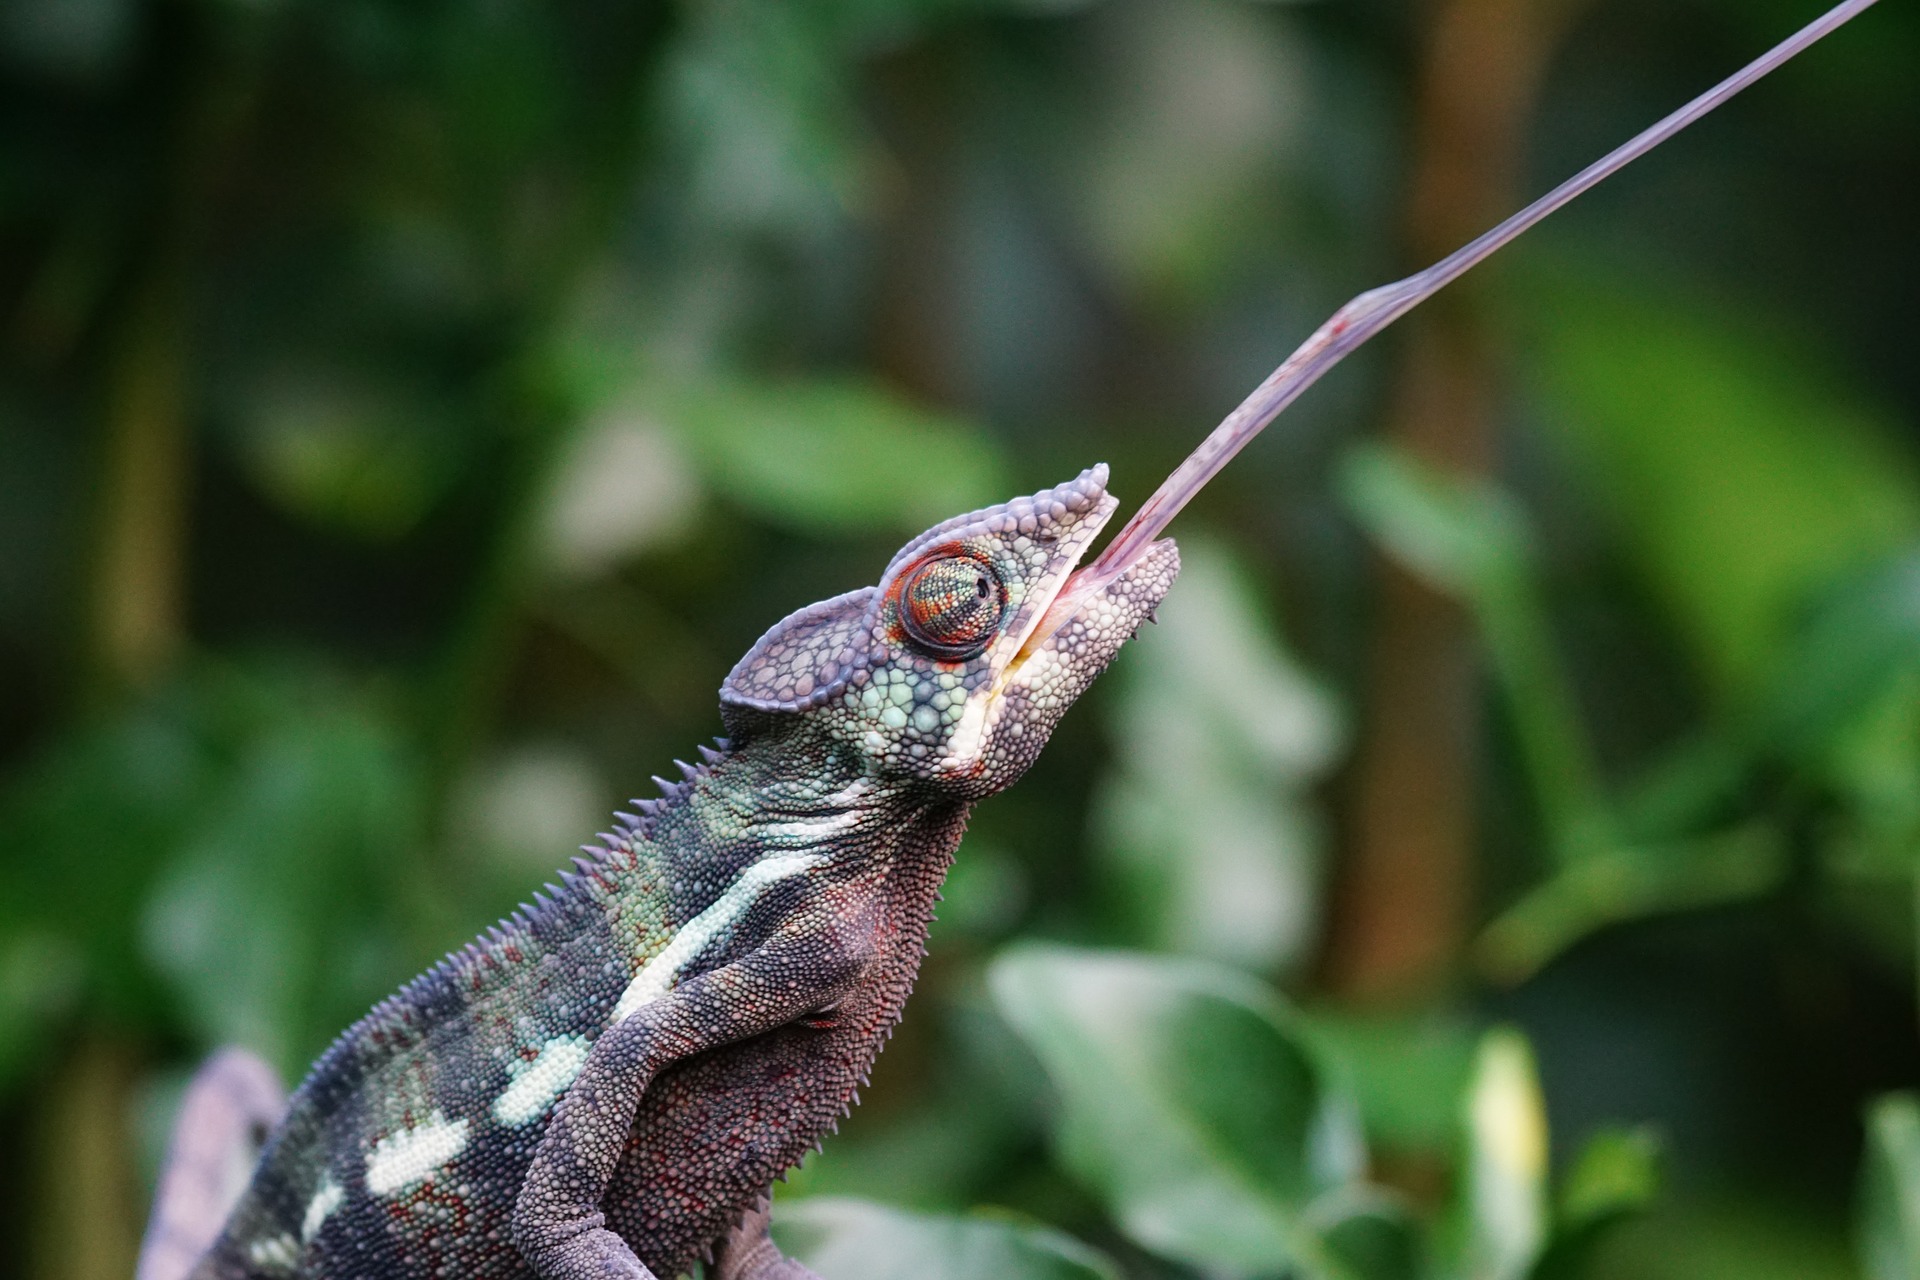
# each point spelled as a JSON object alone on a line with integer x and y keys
{"x": 137, "y": 622}
{"x": 1401, "y": 906}
{"x": 84, "y": 1216}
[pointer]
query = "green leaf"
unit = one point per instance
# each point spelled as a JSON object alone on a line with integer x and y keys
{"x": 1466, "y": 537}
{"x": 1889, "y": 1222}
{"x": 1615, "y": 1177}
{"x": 856, "y": 1240}
{"x": 1369, "y": 1234}
{"x": 1843, "y": 710}
{"x": 1617, "y": 1169}
{"x": 832, "y": 456}
{"x": 1628, "y": 882}
{"x": 1857, "y": 638}
{"x": 1506, "y": 1204}
{"x": 1189, "y": 1103}
{"x": 1463, "y": 535}
{"x": 233, "y": 841}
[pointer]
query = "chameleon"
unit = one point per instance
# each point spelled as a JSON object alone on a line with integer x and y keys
{"x": 605, "y": 1085}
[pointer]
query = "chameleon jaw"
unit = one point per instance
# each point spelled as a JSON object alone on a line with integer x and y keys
{"x": 1076, "y": 592}
{"x": 1078, "y": 588}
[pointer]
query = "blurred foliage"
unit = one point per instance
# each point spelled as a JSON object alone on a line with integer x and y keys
{"x": 1215, "y": 719}
{"x": 1890, "y": 1194}
{"x": 1185, "y": 1103}
{"x": 1217, "y": 1130}
{"x": 408, "y": 413}
{"x": 862, "y": 1241}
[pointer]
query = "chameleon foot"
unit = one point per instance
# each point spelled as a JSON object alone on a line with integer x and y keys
{"x": 748, "y": 1252}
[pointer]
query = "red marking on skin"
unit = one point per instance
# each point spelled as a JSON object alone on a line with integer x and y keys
{"x": 511, "y": 952}
{"x": 429, "y": 1213}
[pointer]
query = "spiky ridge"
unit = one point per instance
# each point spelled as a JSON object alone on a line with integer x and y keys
{"x": 487, "y": 964}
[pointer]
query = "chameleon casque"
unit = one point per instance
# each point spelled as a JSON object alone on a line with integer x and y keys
{"x": 607, "y": 1083}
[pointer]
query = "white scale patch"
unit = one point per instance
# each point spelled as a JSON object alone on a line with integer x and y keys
{"x": 402, "y": 1159}
{"x": 969, "y": 737}
{"x": 329, "y": 1197}
{"x": 277, "y": 1253}
{"x": 657, "y": 976}
{"x": 852, "y": 793}
{"x": 809, "y": 830}
{"x": 537, "y": 1083}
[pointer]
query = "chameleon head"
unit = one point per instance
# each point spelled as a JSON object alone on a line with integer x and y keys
{"x": 944, "y": 671}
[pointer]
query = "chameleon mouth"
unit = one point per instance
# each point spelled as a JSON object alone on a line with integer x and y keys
{"x": 1049, "y": 619}
{"x": 1077, "y": 590}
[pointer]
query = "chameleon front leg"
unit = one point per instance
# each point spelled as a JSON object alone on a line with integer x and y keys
{"x": 557, "y": 1223}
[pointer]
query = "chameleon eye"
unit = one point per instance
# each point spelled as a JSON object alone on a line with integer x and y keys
{"x": 951, "y": 607}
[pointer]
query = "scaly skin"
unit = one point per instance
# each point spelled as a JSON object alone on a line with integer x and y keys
{"x": 606, "y": 1084}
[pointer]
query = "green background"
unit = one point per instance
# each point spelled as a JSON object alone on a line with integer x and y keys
{"x": 410, "y": 411}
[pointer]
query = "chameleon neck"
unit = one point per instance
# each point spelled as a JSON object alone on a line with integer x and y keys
{"x": 787, "y": 797}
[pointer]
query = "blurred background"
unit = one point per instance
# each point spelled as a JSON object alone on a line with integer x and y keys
{"x": 1507, "y": 844}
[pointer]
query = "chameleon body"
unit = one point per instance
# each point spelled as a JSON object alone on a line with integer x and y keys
{"x": 607, "y": 1083}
